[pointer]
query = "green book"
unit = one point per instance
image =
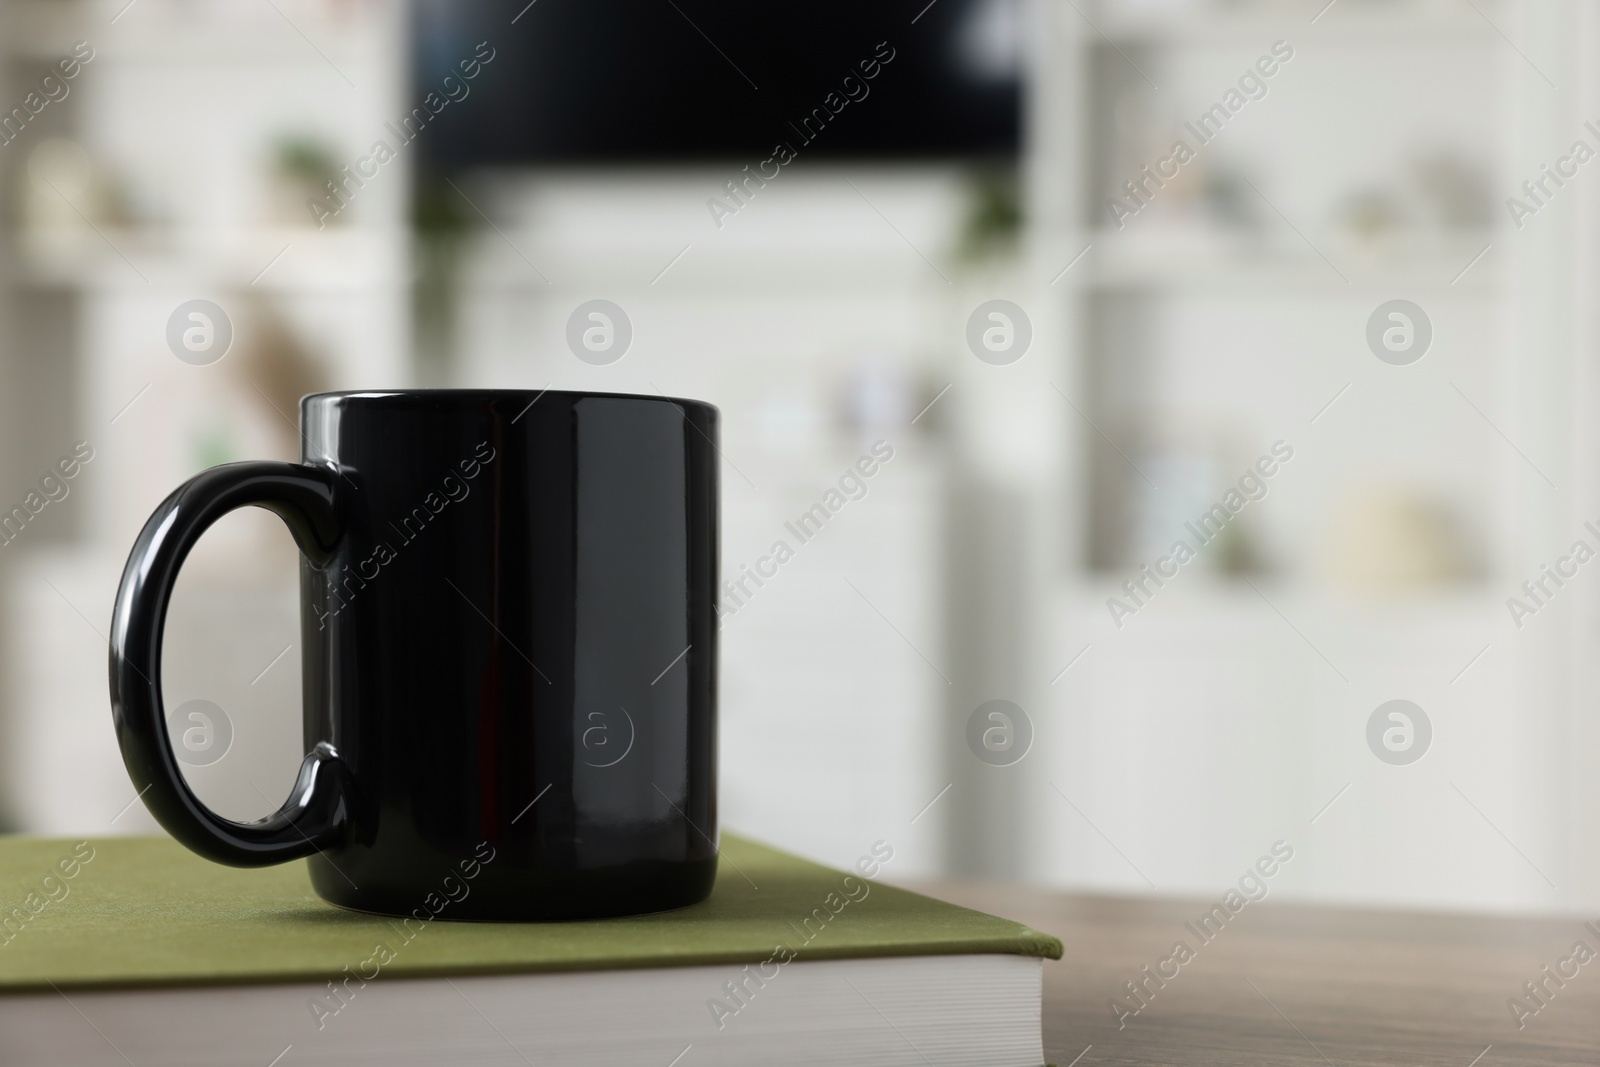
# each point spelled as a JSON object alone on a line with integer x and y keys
{"x": 133, "y": 950}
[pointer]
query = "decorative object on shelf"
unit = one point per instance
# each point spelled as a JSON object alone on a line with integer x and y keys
{"x": 276, "y": 366}
{"x": 1229, "y": 199}
{"x": 1389, "y": 540}
{"x": 993, "y": 218}
{"x": 1438, "y": 192}
{"x": 1454, "y": 190}
{"x": 1371, "y": 213}
{"x": 302, "y": 167}
{"x": 65, "y": 197}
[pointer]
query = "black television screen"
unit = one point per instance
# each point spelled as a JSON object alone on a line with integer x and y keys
{"x": 598, "y": 81}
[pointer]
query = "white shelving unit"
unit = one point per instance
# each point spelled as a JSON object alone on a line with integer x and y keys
{"x": 153, "y": 182}
{"x": 1229, "y": 316}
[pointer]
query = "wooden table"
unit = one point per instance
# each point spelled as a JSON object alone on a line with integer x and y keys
{"x": 1300, "y": 985}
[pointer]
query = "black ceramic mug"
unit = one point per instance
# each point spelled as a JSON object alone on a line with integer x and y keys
{"x": 509, "y": 652}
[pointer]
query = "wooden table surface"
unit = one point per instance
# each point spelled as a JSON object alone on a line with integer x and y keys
{"x": 1302, "y": 985}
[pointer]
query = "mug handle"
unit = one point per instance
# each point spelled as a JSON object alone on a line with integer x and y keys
{"x": 316, "y": 814}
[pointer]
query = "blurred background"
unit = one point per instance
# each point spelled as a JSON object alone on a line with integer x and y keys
{"x": 805, "y": 215}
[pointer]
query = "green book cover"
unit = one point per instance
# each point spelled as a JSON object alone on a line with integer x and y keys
{"x": 139, "y": 912}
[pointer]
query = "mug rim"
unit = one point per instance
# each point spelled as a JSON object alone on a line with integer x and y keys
{"x": 402, "y": 395}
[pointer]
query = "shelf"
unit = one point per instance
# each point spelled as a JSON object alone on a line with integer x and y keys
{"x": 306, "y": 259}
{"x": 150, "y": 32}
{"x": 1197, "y": 595}
{"x": 1275, "y": 264}
{"x": 1344, "y": 22}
